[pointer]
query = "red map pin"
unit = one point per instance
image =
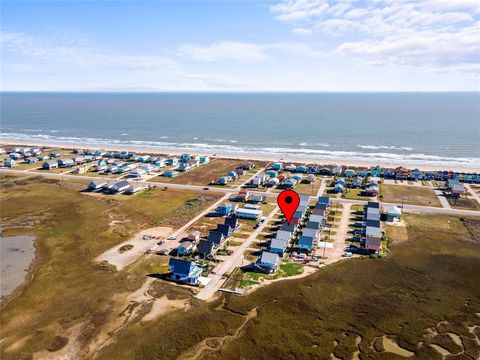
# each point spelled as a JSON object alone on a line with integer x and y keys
{"x": 288, "y": 200}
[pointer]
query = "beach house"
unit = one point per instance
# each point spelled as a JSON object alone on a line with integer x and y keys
{"x": 216, "y": 237}
{"x": 186, "y": 248}
{"x": 50, "y": 165}
{"x": 31, "y": 160}
{"x": 170, "y": 173}
{"x": 120, "y": 187}
{"x": 10, "y": 162}
{"x": 250, "y": 214}
{"x": 243, "y": 195}
{"x": 204, "y": 159}
{"x": 184, "y": 271}
{"x": 277, "y": 166}
{"x": 224, "y": 209}
{"x": 65, "y": 162}
{"x": 278, "y": 246}
{"x": 268, "y": 261}
{"x": 290, "y": 167}
{"x": 96, "y": 185}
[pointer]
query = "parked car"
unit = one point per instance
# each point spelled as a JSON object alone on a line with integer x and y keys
{"x": 172, "y": 238}
{"x": 347, "y": 254}
{"x": 314, "y": 258}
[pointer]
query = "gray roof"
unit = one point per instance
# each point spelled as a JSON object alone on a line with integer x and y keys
{"x": 371, "y": 231}
{"x": 215, "y": 236}
{"x": 373, "y": 204}
{"x": 371, "y": 216}
{"x": 278, "y": 244}
{"x": 269, "y": 258}
{"x": 310, "y": 232}
{"x": 283, "y": 235}
{"x": 313, "y": 225}
{"x": 317, "y": 218}
{"x": 371, "y": 210}
{"x": 373, "y": 223}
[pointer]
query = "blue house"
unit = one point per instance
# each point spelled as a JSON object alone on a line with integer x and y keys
{"x": 224, "y": 180}
{"x": 10, "y": 163}
{"x": 186, "y": 248}
{"x": 349, "y": 172}
{"x": 312, "y": 169}
{"x": 305, "y": 243}
{"x": 50, "y": 165}
{"x": 30, "y": 160}
{"x": 301, "y": 169}
{"x": 271, "y": 173}
{"x": 184, "y": 271}
{"x": 66, "y": 163}
{"x": 278, "y": 246}
{"x": 204, "y": 159}
{"x": 224, "y": 209}
{"x": 338, "y": 188}
{"x": 170, "y": 173}
{"x": 277, "y": 166}
{"x": 232, "y": 174}
{"x": 185, "y": 157}
{"x": 268, "y": 261}
{"x": 171, "y": 162}
{"x": 323, "y": 200}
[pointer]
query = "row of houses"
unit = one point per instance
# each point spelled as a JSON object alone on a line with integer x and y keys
{"x": 187, "y": 271}
{"x": 304, "y": 226}
{"x": 235, "y": 174}
{"x": 399, "y": 173}
{"x": 119, "y": 187}
{"x": 372, "y": 227}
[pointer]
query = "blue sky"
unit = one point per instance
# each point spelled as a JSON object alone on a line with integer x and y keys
{"x": 281, "y": 45}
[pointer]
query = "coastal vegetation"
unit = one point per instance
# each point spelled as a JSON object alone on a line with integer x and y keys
{"x": 428, "y": 286}
{"x": 412, "y": 195}
{"x": 72, "y": 228}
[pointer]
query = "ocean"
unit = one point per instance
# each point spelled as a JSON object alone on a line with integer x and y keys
{"x": 401, "y": 128}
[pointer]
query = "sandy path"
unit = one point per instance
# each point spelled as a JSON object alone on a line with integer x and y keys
{"x": 140, "y": 246}
{"x": 441, "y": 197}
{"x": 472, "y": 192}
{"x": 341, "y": 235}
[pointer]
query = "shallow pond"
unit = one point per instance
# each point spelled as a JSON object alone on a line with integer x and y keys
{"x": 16, "y": 255}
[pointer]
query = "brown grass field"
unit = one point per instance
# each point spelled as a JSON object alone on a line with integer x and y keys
{"x": 204, "y": 174}
{"x": 428, "y": 285}
{"x": 413, "y": 195}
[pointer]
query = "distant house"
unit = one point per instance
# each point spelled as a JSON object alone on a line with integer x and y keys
{"x": 339, "y": 188}
{"x": 66, "y": 163}
{"x": 216, "y": 237}
{"x": 373, "y": 238}
{"x": 260, "y": 180}
{"x": 357, "y": 182}
{"x": 120, "y": 186}
{"x": 194, "y": 236}
{"x": 416, "y": 174}
{"x": 225, "y": 230}
{"x": 372, "y": 190}
{"x": 392, "y": 212}
{"x": 232, "y": 221}
{"x": 31, "y": 160}
{"x": 10, "y": 163}
{"x": 184, "y": 271}
{"x": 134, "y": 188}
{"x": 290, "y": 167}
{"x": 301, "y": 169}
{"x": 273, "y": 182}
{"x": 278, "y": 246}
{"x": 402, "y": 173}
{"x": 456, "y": 188}
{"x": 50, "y": 165}
{"x": 306, "y": 243}
{"x": 171, "y": 162}
{"x": 312, "y": 169}
{"x": 170, "y": 173}
{"x": 224, "y": 180}
{"x": 206, "y": 248}
{"x": 271, "y": 173}
{"x": 337, "y": 170}
{"x": 243, "y": 213}
{"x": 284, "y": 235}
{"x": 257, "y": 198}
{"x": 277, "y": 166}
{"x": 243, "y": 195}
{"x": 144, "y": 158}
{"x": 186, "y": 248}
{"x": 290, "y": 183}
{"x": 324, "y": 171}
{"x": 349, "y": 172}
{"x": 96, "y": 185}
{"x": 224, "y": 209}
{"x": 137, "y": 173}
{"x": 204, "y": 159}
{"x": 248, "y": 165}
{"x": 268, "y": 261}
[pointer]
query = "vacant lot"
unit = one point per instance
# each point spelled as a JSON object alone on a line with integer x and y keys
{"x": 204, "y": 174}
{"x": 467, "y": 203}
{"x": 413, "y": 195}
{"x": 428, "y": 285}
{"x": 68, "y": 288}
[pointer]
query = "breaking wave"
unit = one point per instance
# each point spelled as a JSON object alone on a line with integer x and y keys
{"x": 301, "y": 152}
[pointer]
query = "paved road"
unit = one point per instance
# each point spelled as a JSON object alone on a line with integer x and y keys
{"x": 441, "y": 197}
{"x": 231, "y": 262}
{"x": 472, "y": 192}
{"x": 231, "y": 191}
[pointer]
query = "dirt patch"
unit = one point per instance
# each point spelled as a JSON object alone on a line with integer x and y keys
{"x": 390, "y": 345}
{"x": 57, "y": 343}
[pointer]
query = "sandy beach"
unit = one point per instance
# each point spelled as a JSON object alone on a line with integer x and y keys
{"x": 244, "y": 156}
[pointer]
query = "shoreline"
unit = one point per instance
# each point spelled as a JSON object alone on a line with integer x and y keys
{"x": 243, "y": 156}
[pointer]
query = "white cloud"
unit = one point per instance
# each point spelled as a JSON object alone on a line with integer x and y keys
{"x": 224, "y": 50}
{"x": 442, "y": 35}
{"x": 240, "y": 51}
